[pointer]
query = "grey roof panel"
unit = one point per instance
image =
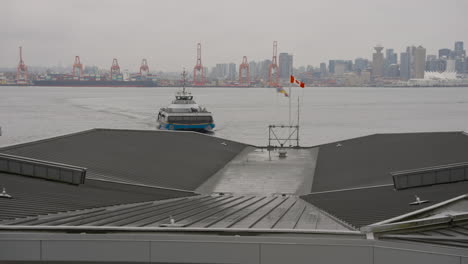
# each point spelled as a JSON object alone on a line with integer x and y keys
{"x": 206, "y": 212}
{"x": 180, "y": 160}
{"x": 33, "y": 196}
{"x": 365, "y": 206}
{"x": 368, "y": 161}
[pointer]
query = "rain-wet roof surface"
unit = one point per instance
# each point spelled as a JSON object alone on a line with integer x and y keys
{"x": 33, "y": 196}
{"x": 367, "y": 161}
{"x": 260, "y": 191}
{"x": 137, "y": 156}
{"x": 361, "y": 207}
{"x": 204, "y": 211}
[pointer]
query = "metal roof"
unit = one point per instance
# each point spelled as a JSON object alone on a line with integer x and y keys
{"x": 208, "y": 212}
{"x": 33, "y": 196}
{"x": 180, "y": 160}
{"x": 364, "y": 206}
{"x": 368, "y": 161}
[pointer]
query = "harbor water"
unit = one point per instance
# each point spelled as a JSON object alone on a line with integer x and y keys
{"x": 240, "y": 114}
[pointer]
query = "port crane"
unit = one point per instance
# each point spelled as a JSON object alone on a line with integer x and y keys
{"x": 244, "y": 72}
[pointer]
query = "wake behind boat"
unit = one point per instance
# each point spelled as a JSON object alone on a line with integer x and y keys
{"x": 185, "y": 114}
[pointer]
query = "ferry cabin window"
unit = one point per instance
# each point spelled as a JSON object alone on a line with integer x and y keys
{"x": 189, "y": 119}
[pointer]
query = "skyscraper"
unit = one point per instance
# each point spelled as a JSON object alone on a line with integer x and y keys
{"x": 404, "y": 66}
{"x": 232, "y": 72}
{"x": 377, "y": 62}
{"x": 459, "y": 50}
{"x": 419, "y": 65}
{"x": 444, "y": 53}
{"x": 361, "y": 64}
{"x": 285, "y": 65}
{"x": 391, "y": 58}
{"x": 323, "y": 69}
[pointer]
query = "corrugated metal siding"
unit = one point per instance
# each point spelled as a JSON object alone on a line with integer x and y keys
{"x": 158, "y": 158}
{"x": 213, "y": 211}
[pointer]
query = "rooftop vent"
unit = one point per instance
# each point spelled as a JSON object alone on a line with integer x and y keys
{"x": 430, "y": 175}
{"x": 42, "y": 169}
{"x": 418, "y": 201}
{"x": 4, "y": 194}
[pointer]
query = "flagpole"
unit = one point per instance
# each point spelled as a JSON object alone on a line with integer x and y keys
{"x": 290, "y": 95}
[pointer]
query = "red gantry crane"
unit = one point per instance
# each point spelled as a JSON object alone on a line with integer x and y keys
{"x": 273, "y": 73}
{"x": 198, "y": 71}
{"x": 22, "y": 70}
{"x": 77, "y": 65}
{"x": 144, "y": 69}
{"x": 115, "y": 69}
{"x": 244, "y": 72}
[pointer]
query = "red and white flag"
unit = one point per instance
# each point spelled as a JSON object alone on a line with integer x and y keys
{"x": 296, "y": 81}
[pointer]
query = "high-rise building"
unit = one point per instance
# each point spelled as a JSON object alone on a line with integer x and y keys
{"x": 348, "y": 65}
{"x": 377, "y": 62}
{"x": 220, "y": 71}
{"x": 405, "y": 66}
{"x": 460, "y": 65}
{"x": 253, "y": 70}
{"x": 433, "y": 64}
{"x": 285, "y": 65}
{"x": 361, "y": 64}
{"x": 340, "y": 68}
{"x": 459, "y": 50}
{"x": 232, "y": 72}
{"x": 419, "y": 65}
{"x": 444, "y": 53}
{"x": 392, "y": 71}
{"x": 323, "y": 69}
{"x": 451, "y": 66}
{"x": 391, "y": 58}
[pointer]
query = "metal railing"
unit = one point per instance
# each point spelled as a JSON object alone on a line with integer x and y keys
{"x": 430, "y": 175}
{"x": 42, "y": 169}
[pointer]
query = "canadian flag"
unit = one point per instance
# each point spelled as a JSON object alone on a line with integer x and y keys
{"x": 296, "y": 81}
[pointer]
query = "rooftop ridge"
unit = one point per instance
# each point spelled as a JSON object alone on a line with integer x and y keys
{"x": 46, "y": 139}
{"x": 351, "y": 189}
{"x": 395, "y": 133}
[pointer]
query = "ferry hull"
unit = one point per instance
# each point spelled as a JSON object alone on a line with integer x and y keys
{"x": 187, "y": 127}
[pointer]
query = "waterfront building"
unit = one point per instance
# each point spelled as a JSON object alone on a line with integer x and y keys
{"x": 392, "y": 71}
{"x": 451, "y": 66}
{"x": 405, "y": 66}
{"x": 339, "y": 68}
{"x": 391, "y": 58}
{"x": 459, "y": 50}
{"x": 253, "y": 70}
{"x": 377, "y": 62}
{"x": 444, "y": 53}
{"x": 361, "y": 64}
{"x": 460, "y": 65}
{"x": 221, "y": 71}
{"x": 232, "y": 72}
{"x": 419, "y": 65}
{"x": 285, "y": 65}
{"x": 323, "y": 69}
{"x": 435, "y": 65}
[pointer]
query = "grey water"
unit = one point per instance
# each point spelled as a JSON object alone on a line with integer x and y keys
{"x": 241, "y": 114}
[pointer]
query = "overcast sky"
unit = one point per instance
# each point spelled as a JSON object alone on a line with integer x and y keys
{"x": 166, "y": 31}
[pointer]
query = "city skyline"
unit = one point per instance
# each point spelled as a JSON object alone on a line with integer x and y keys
{"x": 166, "y": 32}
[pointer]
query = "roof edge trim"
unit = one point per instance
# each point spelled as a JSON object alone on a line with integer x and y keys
{"x": 401, "y": 217}
{"x": 177, "y": 229}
